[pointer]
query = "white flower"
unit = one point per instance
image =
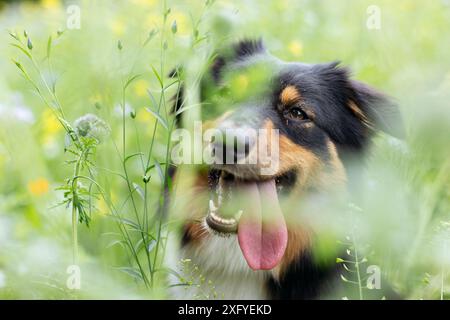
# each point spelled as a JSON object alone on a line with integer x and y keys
{"x": 92, "y": 126}
{"x": 16, "y": 110}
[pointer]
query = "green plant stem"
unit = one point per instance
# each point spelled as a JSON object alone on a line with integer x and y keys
{"x": 130, "y": 190}
{"x": 74, "y": 213}
{"x": 361, "y": 297}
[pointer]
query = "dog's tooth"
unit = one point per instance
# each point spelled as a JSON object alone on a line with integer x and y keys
{"x": 221, "y": 220}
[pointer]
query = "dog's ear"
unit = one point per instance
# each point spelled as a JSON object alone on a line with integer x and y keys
{"x": 374, "y": 110}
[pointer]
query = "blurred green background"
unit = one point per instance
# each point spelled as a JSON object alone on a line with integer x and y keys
{"x": 406, "y": 200}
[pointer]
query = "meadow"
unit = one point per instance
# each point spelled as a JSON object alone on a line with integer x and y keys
{"x": 85, "y": 127}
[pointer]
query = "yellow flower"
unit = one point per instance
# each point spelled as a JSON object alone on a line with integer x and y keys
{"x": 242, "y": 81}
{"x": 51, "y": 4}
{"x": 118, "y": 27}
{"x": 50, "y": 126}
{"x": 295, "y": 48}
{"x": 144, "y": 3}
{"x": 38, "y": 186}
{"x": 183, "y": 25}
{"x": 140, "y": 88}
{"x": 95, "y": 98}
{"x": 239, "y": 85}
{"x": 102, "y": 206}
{"x": 144, "y": 116}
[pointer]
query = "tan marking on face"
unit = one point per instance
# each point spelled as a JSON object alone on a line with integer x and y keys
{"x": 337, "y": 174}
{"x": 359, "y": 114}
{"x": 195, "y": 232}
{"x": 289, "y": 95}
{"x": 294, "y": 156}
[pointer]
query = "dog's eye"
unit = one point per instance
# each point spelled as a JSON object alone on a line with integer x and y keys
{"x": 297, "y": 113}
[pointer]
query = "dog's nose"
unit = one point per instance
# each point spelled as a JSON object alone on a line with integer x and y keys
{"x": 234, "y": 144}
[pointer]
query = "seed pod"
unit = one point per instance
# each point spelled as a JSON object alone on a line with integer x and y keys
{"x": 174, "y": 27}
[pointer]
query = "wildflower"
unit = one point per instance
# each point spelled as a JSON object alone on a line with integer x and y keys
{"x": 295, "y": 48}
{"x": 144, "y": 116}
{"x": 51, "y": 4}
{"x": 39, "y": 186}
{"x": 118, "y": 27}
{"x": 181, "y": 23}
{"x": 50, "y": 123}
{"x": 118, "y": 110}
{"x": 140, "y": 88}
{"x": 91, "y": 126}
{"x": 144, "y": 3}
{"x": 16, "y": 110}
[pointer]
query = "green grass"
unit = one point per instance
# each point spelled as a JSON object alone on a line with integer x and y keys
{"x": 112, "y": 188}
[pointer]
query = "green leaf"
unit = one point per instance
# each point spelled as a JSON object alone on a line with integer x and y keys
{"x": 25, "y": 74}
{"x": 133, "y": 272}
{"x": 139, "y": 190}
{"x": 13, "y": 35}
{"x": 186, "y": 108}
{"x": 159, "y": 170}
{"x": 151, "y": 245}
{"x": 22, "y": 49}
{"x": 126, "y": 221}
{"x": 138, "y": 246}
{"x": 339, "y": 260}
{"x": 130, "y": 80}
{"x": 160, "y": 119}
{"x": 158, "y": 76}
{"x": 67, "y": 142}
{"x": 151, "y": 35}
{"x": 115, "y": 242}
{"x": 132, "y": 155}
{"x": 49, "y": 46}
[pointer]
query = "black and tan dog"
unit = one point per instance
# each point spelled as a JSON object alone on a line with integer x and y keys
{"x": 239, "y": 236}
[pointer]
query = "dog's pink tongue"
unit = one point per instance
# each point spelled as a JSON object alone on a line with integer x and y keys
{"x": 262, "y": 232}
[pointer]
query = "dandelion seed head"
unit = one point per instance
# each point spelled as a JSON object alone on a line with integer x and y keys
{"x": 92, "y": 126}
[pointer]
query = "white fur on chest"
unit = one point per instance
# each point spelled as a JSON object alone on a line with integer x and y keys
{"x": 221, "y": 262}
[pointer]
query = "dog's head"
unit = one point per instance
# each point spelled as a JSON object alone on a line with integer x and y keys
{"x": 279, "y": 128}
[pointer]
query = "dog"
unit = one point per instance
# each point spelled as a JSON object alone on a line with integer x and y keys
{"x": 236, "y": 232}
